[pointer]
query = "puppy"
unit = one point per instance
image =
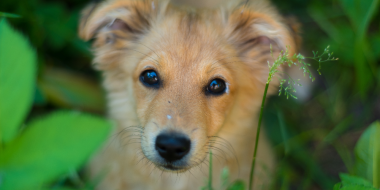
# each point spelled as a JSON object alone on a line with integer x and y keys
{"x": 182, "y": 82}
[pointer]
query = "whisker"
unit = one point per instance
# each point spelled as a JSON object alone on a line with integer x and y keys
{"x": 233, "y": 150}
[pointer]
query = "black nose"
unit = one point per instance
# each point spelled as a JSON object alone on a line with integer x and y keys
{"x": 172, "y": 147}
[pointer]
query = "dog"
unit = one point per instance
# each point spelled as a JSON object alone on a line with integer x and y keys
{"x": 182, "y": 82}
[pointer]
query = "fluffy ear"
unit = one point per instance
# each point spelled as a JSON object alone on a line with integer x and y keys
{"x": 252, "y": 29}
{"x": 108, "y": 21}
{"x": 115, "y": 26}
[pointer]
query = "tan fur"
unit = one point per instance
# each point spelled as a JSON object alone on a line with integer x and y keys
{"x": 188, "y": 48}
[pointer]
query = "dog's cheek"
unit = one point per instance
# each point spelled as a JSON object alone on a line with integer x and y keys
{"x": 142, "y": 102}
{"x": 219, "y": 108}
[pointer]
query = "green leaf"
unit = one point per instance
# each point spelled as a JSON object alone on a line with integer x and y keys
{"x": 337, "y": 186}
{"x": 353, "y": 183}
{"x": 17, "y": 79}
{"x": 237, "y": 185}
{"x": 49, "y": 147}
{"x": 367, "y": 153}
{"x": 376, "y": 155}
{"x": 347, "y": 179}
{"x": 357, "y": 187}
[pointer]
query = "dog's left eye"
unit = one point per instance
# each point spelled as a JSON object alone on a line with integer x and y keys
{"x": 150, "y": 78}
{"x": 216, "y": 87}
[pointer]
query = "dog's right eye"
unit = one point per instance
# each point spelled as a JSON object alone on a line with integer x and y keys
{"x": 150, "y": 79}
{"x": 216, "y": 87}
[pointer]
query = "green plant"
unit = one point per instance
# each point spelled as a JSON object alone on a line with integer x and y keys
{"x": 321, "y": 138}
{"x": 359, "y": 14}
{"x": 34, "y": 154}
{"x": 353, "y": 183}
{"x": 65, "y": 77}
{"x": 367, "y": 162}
{"x": 283, "y": 59}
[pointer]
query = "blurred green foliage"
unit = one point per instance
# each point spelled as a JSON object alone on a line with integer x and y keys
{"x": 39, "y": 152}
{"x": 50, "y": 147}
{"x": 353, "y": 183}
{"x": 367, "y": 170}
{"x": 367, "y": 155}
{"x": 314, "y": 138}
{"x": 15, "y": 71}
{"x": 65, "y": 78}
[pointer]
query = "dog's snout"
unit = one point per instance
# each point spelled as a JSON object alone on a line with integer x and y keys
{"x": 172, "y": 147}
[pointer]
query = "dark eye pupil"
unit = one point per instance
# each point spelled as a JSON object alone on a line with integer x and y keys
{"x": 216, "y": 86}
{"x": 149, "y": 78}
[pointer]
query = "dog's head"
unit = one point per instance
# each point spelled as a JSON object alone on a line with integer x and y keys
{"x": 186, "y": 71}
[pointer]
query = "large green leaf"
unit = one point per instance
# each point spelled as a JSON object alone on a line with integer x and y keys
{"x": 367, "y": 153}
{"x": 337, "y": 186}
{"x": 17, "y": 79}
{"x": 376, "y": 156}
{"x": 50, "y": 146}
{"x": 357, "y": 187}
{"x": 353, "y": 183}
{"x": 348, "y": 179}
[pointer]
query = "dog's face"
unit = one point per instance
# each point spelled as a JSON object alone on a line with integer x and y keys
{"x": 186, "y": 70}
{"x": 183, "y": 95}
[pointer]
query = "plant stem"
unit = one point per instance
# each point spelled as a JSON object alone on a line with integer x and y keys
{"x": 210, "y": 173}
{"x": 376, "y": 156}
{"x": 257, "y": 136}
